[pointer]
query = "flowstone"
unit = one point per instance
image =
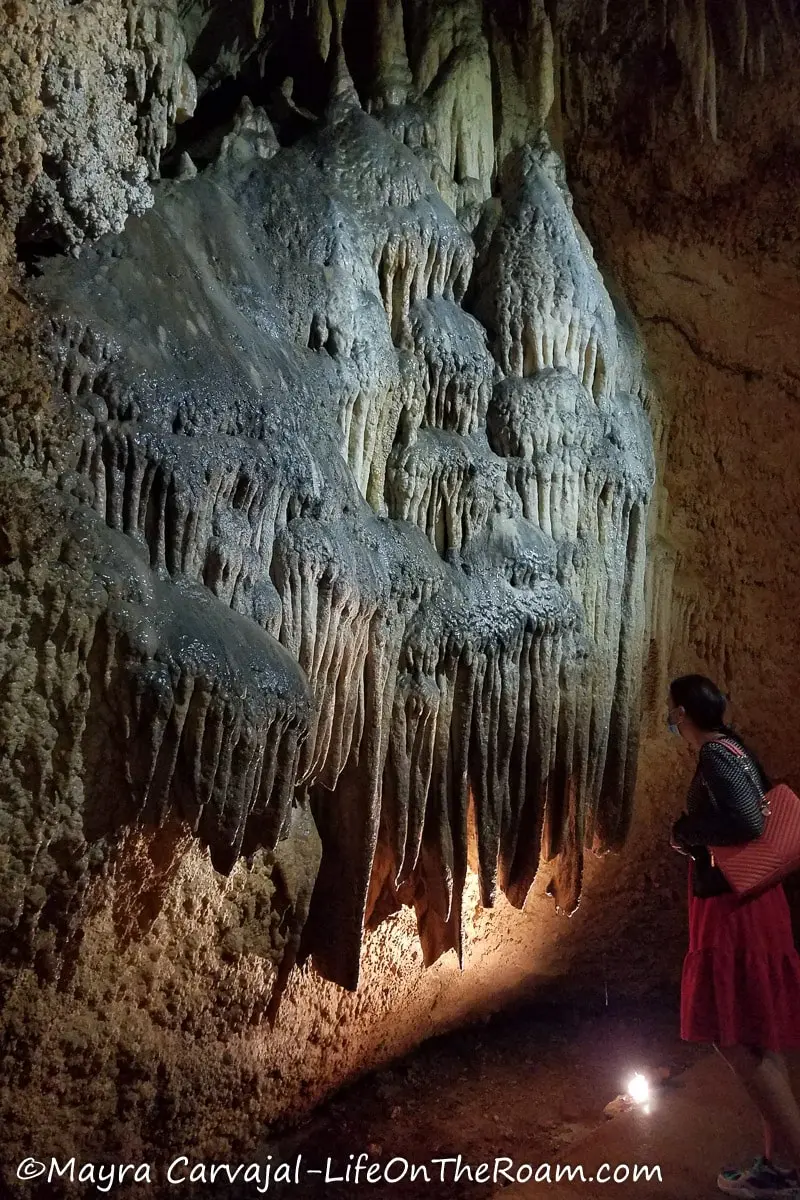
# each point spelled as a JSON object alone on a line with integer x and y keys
{"x": 358, "y": 555}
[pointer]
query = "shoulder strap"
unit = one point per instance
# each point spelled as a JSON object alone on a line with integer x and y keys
{"x": 750, "y": 770}
{"x": 737, "y": 750}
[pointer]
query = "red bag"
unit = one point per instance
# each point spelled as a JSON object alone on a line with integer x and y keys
{"x": 753, "y": 866}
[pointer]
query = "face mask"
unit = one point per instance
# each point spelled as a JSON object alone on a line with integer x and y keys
{"x": 671, "y": 726}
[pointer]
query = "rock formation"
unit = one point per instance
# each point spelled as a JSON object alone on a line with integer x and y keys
{"x": 334, "y": 538}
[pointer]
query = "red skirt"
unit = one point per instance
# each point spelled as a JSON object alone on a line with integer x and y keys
{"x": 741, "y": 975}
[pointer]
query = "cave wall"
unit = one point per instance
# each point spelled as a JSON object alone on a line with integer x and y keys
{"x": 706, "y": 246}
{"x": 348, "y": 525}
{"x": 711, "y": 263}
{"x": 699, "y": 227}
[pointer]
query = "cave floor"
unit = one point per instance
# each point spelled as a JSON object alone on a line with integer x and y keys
{"x": 701, "y": 1122}
{"x": 531, "y": 1086}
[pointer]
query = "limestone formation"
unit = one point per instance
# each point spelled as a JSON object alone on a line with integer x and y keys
{"x": 336, "y": 548}
{"x": 115, "y": 83}
{"x": 276, "y": 396}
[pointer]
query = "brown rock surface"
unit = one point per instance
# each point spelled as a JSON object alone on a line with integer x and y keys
{"x": 146, "y": 1025}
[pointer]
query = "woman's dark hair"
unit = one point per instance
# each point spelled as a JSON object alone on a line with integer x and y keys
{"x": 702, "y": 700}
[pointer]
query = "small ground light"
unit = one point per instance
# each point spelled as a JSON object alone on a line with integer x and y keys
{"x": 639, "y": 1089}
{"x": 636, "y": 1094}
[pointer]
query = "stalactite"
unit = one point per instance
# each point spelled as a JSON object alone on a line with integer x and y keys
{"x": 412, "y": 266}
{"x": 330, "y": 594}
{"x": 614, "y": 814}
{"x": 419, "y": 249}
{"x": 711, "y": 85}
{"x": 448, "y": 486}
{"x": 538, "y": 290}
{"x": 392, "y": 76}
{"x": 581, "y": 474}
{"x": 349, "y": 820}
{"x": 457, "y": 368}
{"x": 206, "y": 710}
{"x": 459, "y": 103}
{"x": 165, "y": 86}
{"x": 708, "y": 38}
{"x": 742, "y": 27}
{"x": 523, "y": 59}
{"x": 658, "y": 589}
{"x": 564, "y": 829}
{"x": 376, "y": 393}
{"x": 308, "y": 443}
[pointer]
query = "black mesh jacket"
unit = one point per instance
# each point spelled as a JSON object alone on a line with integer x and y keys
{"x": 723, "y": 808}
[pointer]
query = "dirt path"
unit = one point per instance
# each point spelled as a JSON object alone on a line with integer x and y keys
{"x": 524, "y": 1085}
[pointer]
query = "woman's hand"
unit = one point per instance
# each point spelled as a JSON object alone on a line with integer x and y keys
{"x": 677, "y": 842}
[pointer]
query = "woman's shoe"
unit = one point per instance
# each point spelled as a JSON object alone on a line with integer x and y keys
{"x": 762, "y": 1179}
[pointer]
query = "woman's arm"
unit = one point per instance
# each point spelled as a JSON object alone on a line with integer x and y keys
{"x": 738, "y": 816}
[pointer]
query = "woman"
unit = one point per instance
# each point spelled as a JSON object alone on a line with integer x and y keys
{"x": 740, "y": 988}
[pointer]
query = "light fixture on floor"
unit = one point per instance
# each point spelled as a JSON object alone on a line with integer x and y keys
{"x": 639, "y": 1091}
